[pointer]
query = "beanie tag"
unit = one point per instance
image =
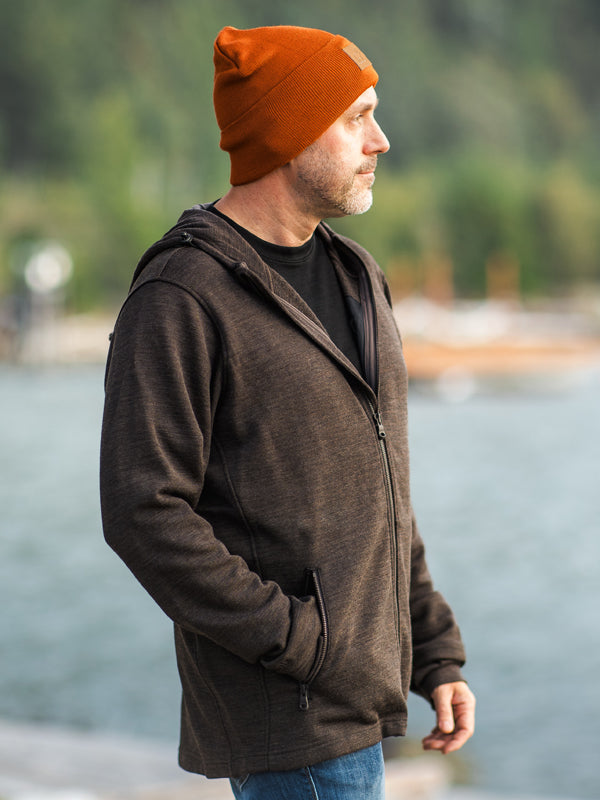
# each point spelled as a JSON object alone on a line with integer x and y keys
{"x": 357, "y": 55}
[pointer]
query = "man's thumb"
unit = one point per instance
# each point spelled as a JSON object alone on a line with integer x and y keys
{"x": 445, "y": 717}
{"x": 445, "y": 723}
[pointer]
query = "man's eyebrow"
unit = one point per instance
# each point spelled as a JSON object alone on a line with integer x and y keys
{"x": 368, "y": 105}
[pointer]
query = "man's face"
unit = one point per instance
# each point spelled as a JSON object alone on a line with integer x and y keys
{"x": 334, "y": 176}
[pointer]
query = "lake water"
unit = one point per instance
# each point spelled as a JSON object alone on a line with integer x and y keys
{"x": 506, "y": 489}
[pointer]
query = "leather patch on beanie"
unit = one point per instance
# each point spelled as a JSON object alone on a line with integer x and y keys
{"x": 357, "y": 56}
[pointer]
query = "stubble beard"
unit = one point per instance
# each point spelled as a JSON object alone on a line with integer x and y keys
{"x": 328, "y": 194}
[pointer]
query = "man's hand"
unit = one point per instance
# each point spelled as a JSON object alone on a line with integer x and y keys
{"x": 455, "y": 712}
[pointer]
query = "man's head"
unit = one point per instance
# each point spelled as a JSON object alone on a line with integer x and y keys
{"x": 278, "y": 89}
{"x": 333, "y": 176}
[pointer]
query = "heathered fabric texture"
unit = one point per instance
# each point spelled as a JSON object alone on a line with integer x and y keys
{"x": 277, "y": 89}
{"x": 309, "y": 270}
{"x": 240, "y": 450}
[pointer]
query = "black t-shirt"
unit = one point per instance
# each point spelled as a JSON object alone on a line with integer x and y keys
{"x": 308, "y": 269}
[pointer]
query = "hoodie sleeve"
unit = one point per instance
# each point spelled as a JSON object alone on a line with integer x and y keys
{"x": 162, "y": 388}
{"x": 438, "y": 651}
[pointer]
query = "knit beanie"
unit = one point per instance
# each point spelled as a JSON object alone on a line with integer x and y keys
{"x": 277, "y": 89}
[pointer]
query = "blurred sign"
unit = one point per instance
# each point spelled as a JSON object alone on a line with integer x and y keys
{"x": 48, "y": 268}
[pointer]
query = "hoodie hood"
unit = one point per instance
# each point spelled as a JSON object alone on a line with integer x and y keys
{"x": 199, "y": 227}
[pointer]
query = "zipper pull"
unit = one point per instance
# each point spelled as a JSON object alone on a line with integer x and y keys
{"x": 379, "y": 423}
{"x": 303, "y": 697}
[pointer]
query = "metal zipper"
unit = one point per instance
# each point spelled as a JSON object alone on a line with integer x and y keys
{"x": 372, "y": 370}
{"x": 381, "y": 436}
{"x": 316, "y": 667}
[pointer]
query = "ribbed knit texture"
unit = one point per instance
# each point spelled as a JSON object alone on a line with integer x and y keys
{"x": 277, "y": 89}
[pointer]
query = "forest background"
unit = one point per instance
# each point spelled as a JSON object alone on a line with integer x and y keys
{"x": 492, "y": 108}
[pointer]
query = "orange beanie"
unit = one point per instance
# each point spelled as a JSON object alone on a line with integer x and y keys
{"x": 277, "y": 89}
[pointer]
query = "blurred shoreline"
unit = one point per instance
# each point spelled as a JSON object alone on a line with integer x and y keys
{"x": 470, "y": 347}
{"x": 458, "y": 348}
{"x": 44, "y": 762}
{"x": 58, "y": 763}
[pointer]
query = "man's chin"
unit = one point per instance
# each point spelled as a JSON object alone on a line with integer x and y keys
{"x": 352, "y": 206}
{"x": 360, "y": 204}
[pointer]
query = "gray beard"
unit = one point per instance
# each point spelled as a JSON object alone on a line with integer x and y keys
{"x": 325, "y": 195}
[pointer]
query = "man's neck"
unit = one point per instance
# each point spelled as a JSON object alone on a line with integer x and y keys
{"x": 265, "y": 209}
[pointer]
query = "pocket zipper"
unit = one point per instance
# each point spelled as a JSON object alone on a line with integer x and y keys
{"x": 312, "y": 575}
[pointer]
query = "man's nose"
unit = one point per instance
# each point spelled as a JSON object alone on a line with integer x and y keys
{"x": 377, "y": 142}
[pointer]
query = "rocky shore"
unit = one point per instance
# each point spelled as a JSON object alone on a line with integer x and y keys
{"x": 41, "y": 762}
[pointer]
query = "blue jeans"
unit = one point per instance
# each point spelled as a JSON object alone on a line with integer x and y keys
{"x": 357, "y": 776}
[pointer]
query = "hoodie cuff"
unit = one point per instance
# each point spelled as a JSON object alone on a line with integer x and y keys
{"x": 442, "y": 672}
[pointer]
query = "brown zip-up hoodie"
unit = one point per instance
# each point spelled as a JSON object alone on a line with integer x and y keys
{"x": 258, "y": 487}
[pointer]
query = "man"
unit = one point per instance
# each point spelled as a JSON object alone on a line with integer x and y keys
{"x": 254, "y": 466}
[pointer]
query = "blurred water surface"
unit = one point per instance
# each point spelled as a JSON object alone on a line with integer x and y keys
{"x": 505, "y": 487}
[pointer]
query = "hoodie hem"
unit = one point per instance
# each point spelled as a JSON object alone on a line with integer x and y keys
{"x": 281, "y": 760}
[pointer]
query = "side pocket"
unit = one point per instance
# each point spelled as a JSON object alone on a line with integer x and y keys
{"x": 313, "y": 587}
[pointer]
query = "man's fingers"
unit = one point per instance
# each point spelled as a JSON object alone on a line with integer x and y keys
{"x": 455, "y": 716}
{"x": 457, "y": 741}
{"x": 434, "y": 741}
{"x": 444, "y": 742}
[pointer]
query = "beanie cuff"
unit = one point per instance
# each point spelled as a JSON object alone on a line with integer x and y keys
{"x": 297, "y": 111}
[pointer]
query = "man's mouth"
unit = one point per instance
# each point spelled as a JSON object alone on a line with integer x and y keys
{"x": 368, "y": 168}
